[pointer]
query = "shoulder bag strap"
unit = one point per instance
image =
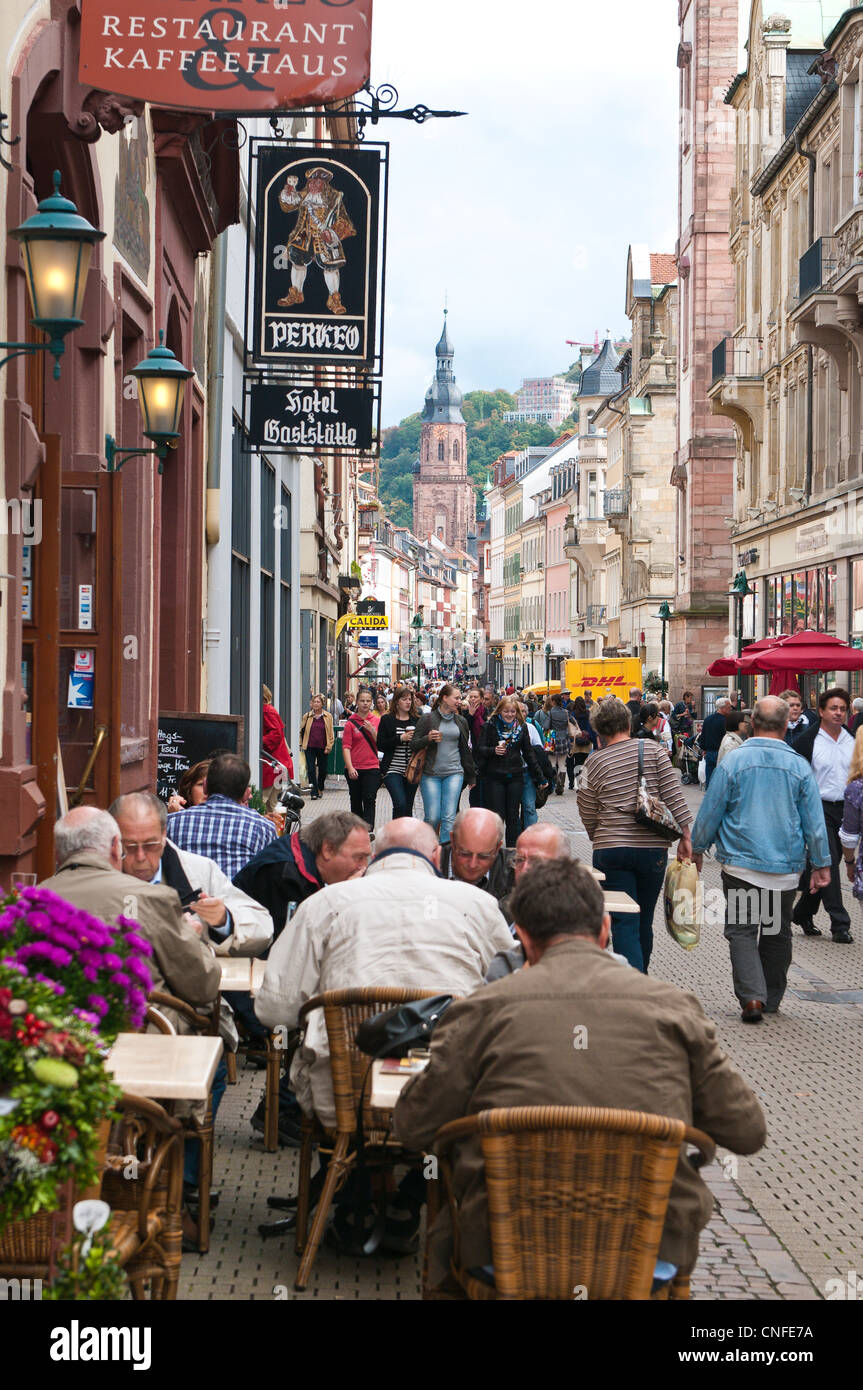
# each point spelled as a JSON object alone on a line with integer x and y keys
{"x": 369, "y": 738}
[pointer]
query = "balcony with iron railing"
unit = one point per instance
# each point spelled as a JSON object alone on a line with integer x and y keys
{"x": 615, "y": 502}
{"x": 738, "y": 357}
{"x": 817, "y": 266}
{"x": 595, "y": 615}
{"x": 737, "y": 389}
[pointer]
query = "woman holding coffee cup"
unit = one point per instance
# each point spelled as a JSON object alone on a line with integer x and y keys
{"x": 449, "y": 762}
{"x": 395, "y": 732}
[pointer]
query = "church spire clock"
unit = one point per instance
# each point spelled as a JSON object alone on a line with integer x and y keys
{"x": 444, "y": 497}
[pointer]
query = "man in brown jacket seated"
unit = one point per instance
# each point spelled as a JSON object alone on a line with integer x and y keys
{"x": 89, "y": 852}
{"x": 575, "y": 1027}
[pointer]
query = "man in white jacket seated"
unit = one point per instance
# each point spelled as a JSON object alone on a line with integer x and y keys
{"x": 401, "y": 925}
{"x": 233, "y": 923}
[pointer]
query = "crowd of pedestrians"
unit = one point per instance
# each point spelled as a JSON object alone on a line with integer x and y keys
{"x": 465, "y": 894}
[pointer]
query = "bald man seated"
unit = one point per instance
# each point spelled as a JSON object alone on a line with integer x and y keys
{"x": 400, "y": 925}
{"x": 475, "y": 853}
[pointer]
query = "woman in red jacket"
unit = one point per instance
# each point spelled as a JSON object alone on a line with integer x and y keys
{"x": 273, "y": 739}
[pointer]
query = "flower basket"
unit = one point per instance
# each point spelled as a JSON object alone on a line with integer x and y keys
{"x": 30, "y": 1248}
{"x": 54, "y": 1113}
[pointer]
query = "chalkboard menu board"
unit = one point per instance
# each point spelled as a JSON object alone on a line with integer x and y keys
{"x": 186, "y": 739}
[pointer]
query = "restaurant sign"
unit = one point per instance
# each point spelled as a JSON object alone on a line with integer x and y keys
{"x": 309, "y": 419}
{"x": 265, "y": 55}
{"x": 316, "y": 256}
{"x": 375, "y": 622}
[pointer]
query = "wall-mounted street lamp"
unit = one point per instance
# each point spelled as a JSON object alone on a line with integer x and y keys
{"x": 56, "y": 246}
{"x": 664, "y": 616}
{"x": 161, "y": 384}
{"x": 739, "y": 591}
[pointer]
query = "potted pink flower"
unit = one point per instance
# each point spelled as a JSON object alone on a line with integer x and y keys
{"x": 97, "y": 970}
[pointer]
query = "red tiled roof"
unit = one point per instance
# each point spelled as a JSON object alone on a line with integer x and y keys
{"x": 663, "y": 268}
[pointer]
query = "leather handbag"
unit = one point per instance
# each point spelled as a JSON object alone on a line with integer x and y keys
{"x": 395, "y": 1031}
{"x": 650, "y": 810}
{"x": 416, "y": 767}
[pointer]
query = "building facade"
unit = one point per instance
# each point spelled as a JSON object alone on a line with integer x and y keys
{"x": 586, "y": 528}
{"x": 703, "y": 463}
{"x": 639, "y": 421}
{"x": 548, "y": 399}
{"x": 789, "y": 378}
{"x": 116, "y": 577}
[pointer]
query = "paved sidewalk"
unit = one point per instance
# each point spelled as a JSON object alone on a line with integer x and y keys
{"x": 788, "y": 1218}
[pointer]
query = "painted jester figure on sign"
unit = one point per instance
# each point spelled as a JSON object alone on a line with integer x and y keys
{"x": 322, "y": 226}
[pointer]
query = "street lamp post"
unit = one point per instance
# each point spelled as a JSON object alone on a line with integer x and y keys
{"x": 161, "y": 382}
{"x": 417, "y": 627}
{"x": 664, "y": 616}
{"x": 547, "y": 663}
{"x": 56, "y": 247}
{"x": 739, "y": 591}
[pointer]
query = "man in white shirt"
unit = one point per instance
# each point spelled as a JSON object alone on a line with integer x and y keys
{"x": 400, "y": 925}
{"x": 232, "y": 922}
{"x": 828, "y": 747}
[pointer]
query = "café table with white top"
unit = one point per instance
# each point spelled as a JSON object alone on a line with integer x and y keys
{"x": 171, "y": 1067}
{"x": 165, "y": 1066}
{"x": 243, "y": 974}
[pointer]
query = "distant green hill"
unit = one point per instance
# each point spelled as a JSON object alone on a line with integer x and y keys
{"x": 488, "y": 436}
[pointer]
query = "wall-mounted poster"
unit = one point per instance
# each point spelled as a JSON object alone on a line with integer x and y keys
{"x": 317, "y": 255}
{"x": 264, "y": 57}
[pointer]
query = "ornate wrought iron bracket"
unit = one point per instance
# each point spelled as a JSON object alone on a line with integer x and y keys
{"x": 367, "y": 107}
{"x": 7, "y": 165}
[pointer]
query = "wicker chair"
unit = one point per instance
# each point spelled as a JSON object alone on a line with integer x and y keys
{"x": 344, "y": 1011}
{"x": 202, "y": 1130}
{"x": 577, "y": 1198}
{"x": 144, "y": 1230}
{"x": 144, "y": 1179}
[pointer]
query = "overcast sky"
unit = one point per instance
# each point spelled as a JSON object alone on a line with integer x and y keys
{"x": 520, "y": 212}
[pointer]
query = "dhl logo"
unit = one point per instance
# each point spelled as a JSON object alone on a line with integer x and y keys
{"x": 605, "y": 681}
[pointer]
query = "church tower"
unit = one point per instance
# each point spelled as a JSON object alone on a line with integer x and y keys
{"x": 444, "y": 497}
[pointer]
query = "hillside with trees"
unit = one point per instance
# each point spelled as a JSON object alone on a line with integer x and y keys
{"x": 488, "y": 436}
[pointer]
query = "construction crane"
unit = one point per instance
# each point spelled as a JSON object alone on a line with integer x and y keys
{"x": 595, "y": 345}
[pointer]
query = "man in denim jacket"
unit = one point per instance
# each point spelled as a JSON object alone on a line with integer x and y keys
{"x": 763, "y": 812}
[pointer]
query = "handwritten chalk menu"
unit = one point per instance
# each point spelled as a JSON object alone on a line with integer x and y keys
{"x": 186, "y": 739}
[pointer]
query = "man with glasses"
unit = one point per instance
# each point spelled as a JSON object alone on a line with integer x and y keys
{"x": 475, "y": 853}
{"x": 234, "y": 923}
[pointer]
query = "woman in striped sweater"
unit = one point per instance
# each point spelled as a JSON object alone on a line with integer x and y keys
{"x": 632, "y": 857}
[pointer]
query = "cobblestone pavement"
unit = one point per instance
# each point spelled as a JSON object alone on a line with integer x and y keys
{"x": 787, "y": 1219}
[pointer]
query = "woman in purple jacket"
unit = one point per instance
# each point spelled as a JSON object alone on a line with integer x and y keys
{"x": 476, "y": 715}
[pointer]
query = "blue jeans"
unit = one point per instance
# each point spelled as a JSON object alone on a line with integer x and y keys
{"x": 191, "y": 1147}
{"x": 640, "y": 873}
{"x": 402, "y": 793}
{"x": 709, "y": 768}
{"x": 528, "y": 802}
{"x": 440, "y": 802}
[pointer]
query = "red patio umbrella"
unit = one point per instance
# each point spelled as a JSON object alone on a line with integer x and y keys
{"x": 729, "y": 665}
{"x": 805, "y": 651}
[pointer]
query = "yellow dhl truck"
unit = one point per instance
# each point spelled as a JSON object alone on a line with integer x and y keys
{"x": 596, "y": 677}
